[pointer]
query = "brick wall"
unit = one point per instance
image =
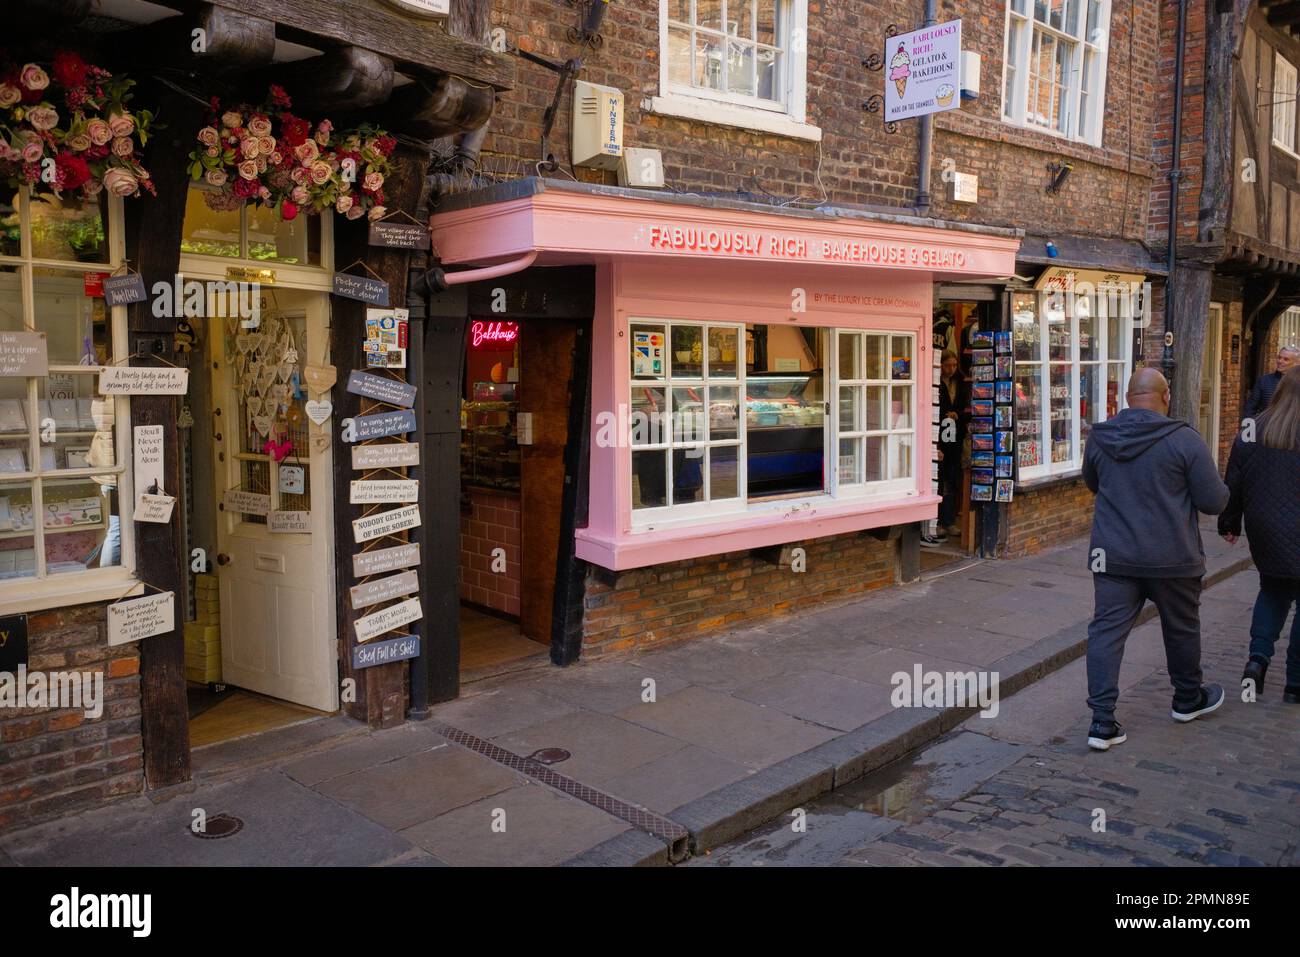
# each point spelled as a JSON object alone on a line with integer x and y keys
{"x": 685, "y": 599}
{"x": 1047, "y": 516}
{"x": 492, "y": 522}
{"x": 53, "y": 761}
{"x": 1230, "y": 398}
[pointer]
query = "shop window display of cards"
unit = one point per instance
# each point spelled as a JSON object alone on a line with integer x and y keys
{"x": 992, "y": 424}
{"x": 386, "y": 334}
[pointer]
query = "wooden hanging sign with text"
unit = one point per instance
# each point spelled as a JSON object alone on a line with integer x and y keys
{"x": 384, "y": 589}
{"x": 382, "y": 560}
{"x": 390, "y": 455}
{"x": 386, "y": 523}
{"x": 386, "y": 619}
{"x": 399, "y": 235}
{"x": 382, "y": 389}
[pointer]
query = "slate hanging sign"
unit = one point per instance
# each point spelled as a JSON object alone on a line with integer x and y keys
{"x": 382, "y": 389}
{"x": 124, "y": 290}
{"x": 383, "y": 652}
{"x": 361, "y": 288}
{"x": 381, "y": 425}
{"x": 399, "y": 235}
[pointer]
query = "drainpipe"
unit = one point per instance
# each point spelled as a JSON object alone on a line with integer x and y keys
{"x": 445, "y": 280}
{"x": 1175, "y": 175}
{"x": 926, "y": 137}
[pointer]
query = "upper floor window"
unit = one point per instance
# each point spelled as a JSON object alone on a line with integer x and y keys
{"x": 1055, "y": 66}
{"x": 736, "y": 50}
{"x": 1284, "y": 96}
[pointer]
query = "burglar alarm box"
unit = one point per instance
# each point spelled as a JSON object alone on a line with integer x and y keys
{"x": 597, "y": 125}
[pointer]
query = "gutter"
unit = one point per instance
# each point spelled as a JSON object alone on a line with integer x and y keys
{"x": 1175, "y": 175}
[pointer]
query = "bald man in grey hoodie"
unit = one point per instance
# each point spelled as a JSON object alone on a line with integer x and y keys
{"x": 1151, "y": 475}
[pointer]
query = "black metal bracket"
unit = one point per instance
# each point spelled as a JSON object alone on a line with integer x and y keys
{"x": 588, "y": 34}
{"x": 874, "y": 104}
{"x": 565, "y": 71}
{"x": 876, "y": 62}
{"x": 1059, "y": 171}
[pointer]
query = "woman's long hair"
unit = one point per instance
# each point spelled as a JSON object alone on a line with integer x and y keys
{"x": 1280, "y": 422}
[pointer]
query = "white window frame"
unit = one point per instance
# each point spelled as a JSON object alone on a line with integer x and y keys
{"x": 1283, "y": 133}
{"x": 1288, "y": 328}
{"x": 786, "y": 117}
{"x": 42, "y": 591}
{"x": 888, "y": 487}
{"x": 1090, "y": 62}
{"x": 708, "y": 512}
{"x": 1049, "y": 468}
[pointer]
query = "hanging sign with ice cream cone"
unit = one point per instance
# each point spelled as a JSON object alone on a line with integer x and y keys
{"x": 922, "y": 71}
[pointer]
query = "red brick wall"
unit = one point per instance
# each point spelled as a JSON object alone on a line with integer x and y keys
{"x": 493, "y": 522}
{"x": 1049, "y": 515}
{"x": 53, "y": 761}
{"x": 685, "y": 599}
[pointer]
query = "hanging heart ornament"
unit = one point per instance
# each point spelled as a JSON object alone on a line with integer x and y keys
{"x": 319, "y": 410}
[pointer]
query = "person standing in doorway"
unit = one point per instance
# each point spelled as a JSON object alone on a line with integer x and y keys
{"x": 1288, "y": 357}
{"x": 1151, "y": 476}
{"x": 954, "y": 416}
{"x": 1264, "y": 482}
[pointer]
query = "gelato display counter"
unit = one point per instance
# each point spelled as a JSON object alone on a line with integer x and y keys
{"x": 785, "y": 416}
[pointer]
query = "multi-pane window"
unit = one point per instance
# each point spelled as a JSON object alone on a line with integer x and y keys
{"x": 1072, "y": 358}
{"x": 726, "y": 416}
{"x": 1055, "y": 66}
{"x": 735, "y": 50}
{"x": 684, "y": 415}
{"x": 60, "y": 464}
{"x": 1284, "y": 97}
{"x": 874, "y": 393}
{"x": 1288, "y": 329}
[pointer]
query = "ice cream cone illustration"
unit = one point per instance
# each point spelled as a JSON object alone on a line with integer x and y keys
{"x": 899, "y": 68}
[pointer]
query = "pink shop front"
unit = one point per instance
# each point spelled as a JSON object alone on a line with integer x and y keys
{"x": 746, "y": 427}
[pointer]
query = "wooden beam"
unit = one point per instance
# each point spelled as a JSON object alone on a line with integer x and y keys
{"x": 232, "y": 42}
{"x": 345, "y": 78}
{"x": 443, "y": 106}
{"x": 413, "y": 45}
{"x": 64, "y": 12}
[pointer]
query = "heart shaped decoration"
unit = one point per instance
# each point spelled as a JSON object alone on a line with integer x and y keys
{"x": 277, "y": 450}
{"x": 320, "y": 378}
{"x": 254, "y": 403}
{"x": 319, "y": 411}
{"x": 263, "y": 424}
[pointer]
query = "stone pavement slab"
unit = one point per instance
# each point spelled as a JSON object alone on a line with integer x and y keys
{"x": 819, "y": 697}
{"x": 602, "y": 746}
{"x": 675, "y": 779}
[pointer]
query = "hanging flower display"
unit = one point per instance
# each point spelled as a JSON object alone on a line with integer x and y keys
{"x": 267, "y": 155}
{"x": 67, "y": 129}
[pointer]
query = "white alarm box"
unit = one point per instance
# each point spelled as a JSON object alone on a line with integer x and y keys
{"x": 641, "y": 167}
{"x": 597, "y": 125}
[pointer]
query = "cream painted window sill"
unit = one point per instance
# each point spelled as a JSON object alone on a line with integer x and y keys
{"x": 726, "y": 114}
{"x": 18, "y": 596}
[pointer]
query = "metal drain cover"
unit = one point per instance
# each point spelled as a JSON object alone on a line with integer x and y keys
{"x": 550, "y": 756}
{"x": 219, "y": 826}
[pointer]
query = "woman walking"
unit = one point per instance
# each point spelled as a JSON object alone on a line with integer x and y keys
{"x": 1264, "y": 482}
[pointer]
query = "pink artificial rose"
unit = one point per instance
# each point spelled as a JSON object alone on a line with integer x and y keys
{"x": 231, "y": 119}
{"x": 33, "y": 149}
{"x": 208, "y": 136}
{"x": 122, "y": 124}
{"x": 92, "y": 187}
{"x": 356, "y": 212}
{"x": 43, "y": 117}
{"x": 276, "y": 158}
{"x": 212, "y": 151}
{"x": 266, "y": 145}
{"x": 306, "y": 152}
{"x": 34, "y": 78}
{"x": 248, "y": 169}
{"x": 121, "y": 182}
{"x": 377, "y": 212}
{"x": 259, "y": 126}
{"x": 122, "y": 146}
{"x": 99, "y": 132}
{"x": 248, "y": 147}
{"x": 320, "y": 172}
{"x": 300, "y": 195}
{"x": 9, "y": 95}
{"x": 264, "y": 193}
{"x": 343, "y": 203}
{"x": 298, "y": 174}
{"x": 215, "y": 177}
{"x": 262, "y": 164}
{"x": 373, "y": 181}
{"x": 78, "y": 142}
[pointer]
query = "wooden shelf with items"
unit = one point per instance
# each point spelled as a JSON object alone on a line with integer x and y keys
{"x": 16, "y": 500}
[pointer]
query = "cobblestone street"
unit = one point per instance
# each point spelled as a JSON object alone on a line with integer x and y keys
{"x": 1023, "y": 788}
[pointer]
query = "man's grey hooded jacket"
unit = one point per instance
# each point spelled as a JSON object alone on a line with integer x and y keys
{"x": 1151, "y": 475}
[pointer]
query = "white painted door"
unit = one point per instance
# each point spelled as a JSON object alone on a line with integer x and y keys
{"x": 277, "y": 588}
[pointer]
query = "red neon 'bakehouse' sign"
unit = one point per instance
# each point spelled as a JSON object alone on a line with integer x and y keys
{"x": 488, "y": 335}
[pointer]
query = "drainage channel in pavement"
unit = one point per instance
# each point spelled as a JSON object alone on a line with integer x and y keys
{"x": 670, "y": 832}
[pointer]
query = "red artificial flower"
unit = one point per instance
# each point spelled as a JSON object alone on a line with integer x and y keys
{"x": 245, "y": 188}
{"x": 288, "y": 210}
{"x": 73, "y": 171}
{"x": 279, "y": 97}
{"x": 386, "y": 145}
{"x": 69, "y": 70}
{"x": 293, "y": 131}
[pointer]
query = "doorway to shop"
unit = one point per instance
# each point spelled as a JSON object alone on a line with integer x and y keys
{"x": 261, "y": 648}
{"x": 515, "y": 415}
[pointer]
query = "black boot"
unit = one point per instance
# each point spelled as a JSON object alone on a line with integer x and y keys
{"x": 1291, "y": 694}
{"x": 1256, "y": 668}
